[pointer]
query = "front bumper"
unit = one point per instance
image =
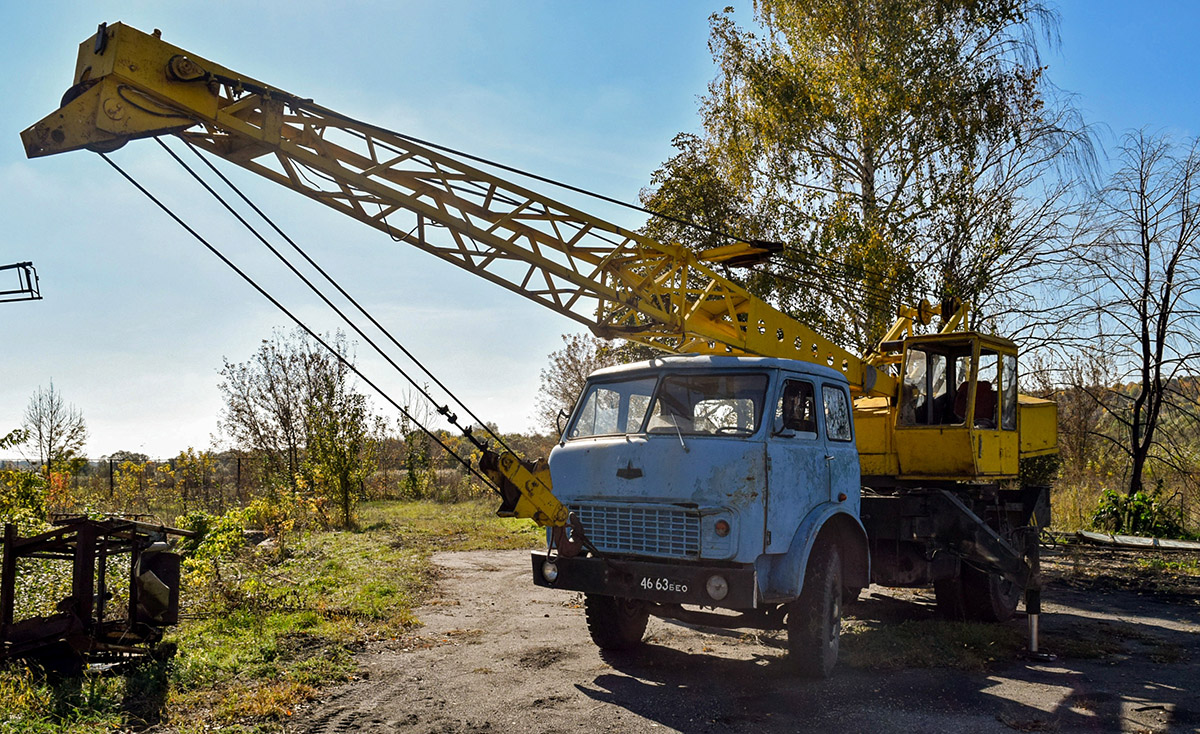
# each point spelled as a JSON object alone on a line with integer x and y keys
{"x": 666, "y": 583}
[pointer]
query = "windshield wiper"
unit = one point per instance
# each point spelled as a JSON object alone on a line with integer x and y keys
{"x": 679, "y": 433}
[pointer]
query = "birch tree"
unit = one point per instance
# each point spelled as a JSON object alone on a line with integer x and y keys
{"x": 1134, "y": 276}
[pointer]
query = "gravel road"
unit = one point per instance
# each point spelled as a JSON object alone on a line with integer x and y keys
{"x": 498, "y": 654}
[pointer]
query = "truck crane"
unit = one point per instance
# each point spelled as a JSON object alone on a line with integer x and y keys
{"x": 757, "y": 478}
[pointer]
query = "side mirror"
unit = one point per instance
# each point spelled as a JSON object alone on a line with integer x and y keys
{"x": 558, "y": 421}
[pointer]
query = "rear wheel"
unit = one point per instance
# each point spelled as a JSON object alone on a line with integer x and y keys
{"x": 615, "y": 623}
{"x": 988, "y": 597}
{"x": 977, "y": 596}
{"x": 814, "y": 621}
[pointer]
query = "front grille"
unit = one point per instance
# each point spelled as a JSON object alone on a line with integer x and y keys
{"x": 665, "y": 532}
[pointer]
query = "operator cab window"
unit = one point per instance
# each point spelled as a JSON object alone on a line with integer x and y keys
{"x": 986, "y": 400}
{"x": 941, "y": 380}
{"x": 924, "y": 399}
{"x": 1008, "y": 386}
{"x": 933, "y": 379}
{"x": 796, "y": 411}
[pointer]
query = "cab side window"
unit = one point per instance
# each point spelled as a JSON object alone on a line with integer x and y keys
{"x": 837, "y": 413}
{"x": 797, "y": 407}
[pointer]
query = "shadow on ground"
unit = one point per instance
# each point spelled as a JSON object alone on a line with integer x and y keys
{"x": 1124, "y": 664}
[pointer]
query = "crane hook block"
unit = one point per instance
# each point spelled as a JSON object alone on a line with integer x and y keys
{"x": 524, "y": 488}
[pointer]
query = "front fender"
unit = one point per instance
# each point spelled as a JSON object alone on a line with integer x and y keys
{"x": 785, "y": 574}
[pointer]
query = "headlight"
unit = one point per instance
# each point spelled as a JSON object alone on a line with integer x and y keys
{"x": 721, "y": 528}
{"x": 717, "y": 587}
{"x": 550, "y": 571}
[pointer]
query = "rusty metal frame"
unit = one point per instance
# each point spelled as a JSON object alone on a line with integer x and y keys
{"x": 79, "y": 632}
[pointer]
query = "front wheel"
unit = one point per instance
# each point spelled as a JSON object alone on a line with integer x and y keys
{"x": 615, "y": 623}
{"x": 814, "y": 621}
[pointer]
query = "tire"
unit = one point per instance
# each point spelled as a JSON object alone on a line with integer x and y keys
{"x": 814, "y": 621}
{"x": 988, "y": 597}
{"x": 615, "y": 623}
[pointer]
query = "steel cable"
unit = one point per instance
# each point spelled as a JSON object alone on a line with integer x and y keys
{"x": 443, "y": 410}
{"x": 295, "y": 319}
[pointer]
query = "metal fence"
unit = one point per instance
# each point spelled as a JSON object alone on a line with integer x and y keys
{"x": 199, "y": 481}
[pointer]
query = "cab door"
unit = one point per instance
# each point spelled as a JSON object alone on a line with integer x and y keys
{"x": 798, "y": 472}
{"x": 841, "y": 455}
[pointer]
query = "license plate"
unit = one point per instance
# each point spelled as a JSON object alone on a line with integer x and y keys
{"x": 652, "y": 583}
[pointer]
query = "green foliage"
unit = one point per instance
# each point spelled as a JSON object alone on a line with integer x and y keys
{"x": 140, "y": 487}
{"x": 1140, "y": 513}
{"x": 341, "y": 442}
{"x": 22, "y": 500}
{"x": 191, "y": 475}
{"x": 32, "y": 703}
{"x": 418, "y": 466}
{"x": 22, "y": 493}
{"x": 218, "y": 540}
{"x": 1040, "y": 470}
{"x": 1182, "y": 566}
{"x": 55, "y": 430}
{"x": 295, "y": 405}
{"x": 895, "y": 147}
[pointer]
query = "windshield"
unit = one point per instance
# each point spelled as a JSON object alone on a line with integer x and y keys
{"x": 685, "y": 404}
{"x": 613, "y": 407}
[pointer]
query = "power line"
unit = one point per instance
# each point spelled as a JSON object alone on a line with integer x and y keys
{"x": 845, "y": 280}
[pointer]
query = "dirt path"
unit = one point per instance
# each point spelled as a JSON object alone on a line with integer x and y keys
{"x": 498, "y": 654}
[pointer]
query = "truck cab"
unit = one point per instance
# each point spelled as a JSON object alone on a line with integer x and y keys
{"x": 707, "y": 481}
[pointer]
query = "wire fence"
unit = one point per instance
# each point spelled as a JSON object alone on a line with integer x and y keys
{"x": 164, "y": 489}
{"x": 159, "y": 487}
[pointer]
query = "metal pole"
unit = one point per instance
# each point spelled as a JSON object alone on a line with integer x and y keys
{"x": 1033, "y": 598}
{"x": 83, "y": 579}
{"x": 8, "y": 581}
{"x": 101, "y": 580}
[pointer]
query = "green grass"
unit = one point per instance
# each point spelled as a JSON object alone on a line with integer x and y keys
{"x": 294, "y": 626}
{"x": 1180, "y": 566}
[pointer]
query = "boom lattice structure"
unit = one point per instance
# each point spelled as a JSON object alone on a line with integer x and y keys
{"x": 617, "y": 282}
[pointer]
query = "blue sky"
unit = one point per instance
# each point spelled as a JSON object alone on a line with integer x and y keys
{"x": 137, "y": 317}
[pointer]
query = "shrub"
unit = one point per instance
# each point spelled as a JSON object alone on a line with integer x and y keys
{"x": 1140, "y": 513}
